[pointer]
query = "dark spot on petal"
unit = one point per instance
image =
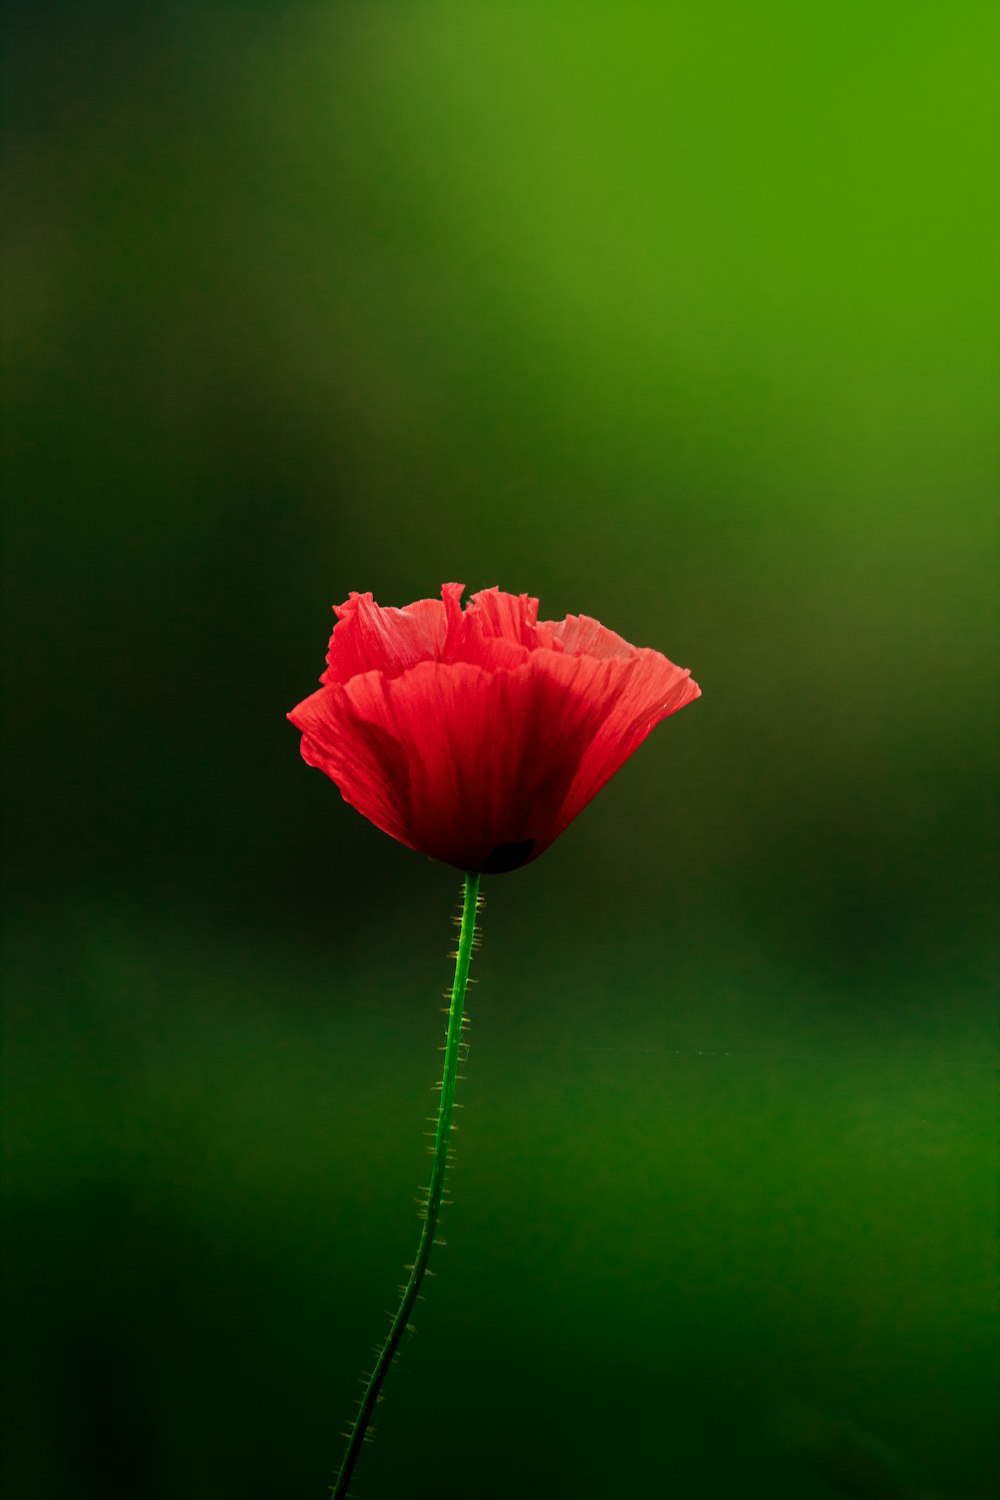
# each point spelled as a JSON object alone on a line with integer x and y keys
{"x": 507, "y": 857}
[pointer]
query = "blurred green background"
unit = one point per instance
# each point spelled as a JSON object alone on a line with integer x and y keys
{"x": 681, "y": 316}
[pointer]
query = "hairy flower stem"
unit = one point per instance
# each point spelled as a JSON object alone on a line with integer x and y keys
{"x": 435, "y": 1190}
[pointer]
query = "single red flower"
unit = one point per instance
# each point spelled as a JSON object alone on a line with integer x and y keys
{"x": 477, "y": 736}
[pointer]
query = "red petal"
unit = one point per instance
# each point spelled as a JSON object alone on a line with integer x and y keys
{"x": 642, "y": 690}
{"x": 489, "y": 756}
{"x": 367, "y": 765}
{"x": 512, "y": 617}
{"x": 579, "y": 635}
{"x": 369, "y": 638}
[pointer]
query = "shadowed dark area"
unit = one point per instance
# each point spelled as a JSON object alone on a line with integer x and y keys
{"x": 506, "y": 857}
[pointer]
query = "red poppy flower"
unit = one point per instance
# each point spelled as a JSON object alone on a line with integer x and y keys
{"x": 477, "y": 736}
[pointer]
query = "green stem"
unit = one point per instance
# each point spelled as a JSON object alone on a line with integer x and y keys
{"x": 435, "y": 1189}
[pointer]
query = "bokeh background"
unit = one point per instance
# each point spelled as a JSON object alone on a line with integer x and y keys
{"x": 682, "y": 316}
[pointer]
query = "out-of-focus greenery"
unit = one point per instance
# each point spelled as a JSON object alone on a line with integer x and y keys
{"x": 723, "y": 1243}
{"x": 683, "y": 318}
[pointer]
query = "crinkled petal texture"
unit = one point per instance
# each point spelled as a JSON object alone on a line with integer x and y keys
{"x": 477, "y": 736}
